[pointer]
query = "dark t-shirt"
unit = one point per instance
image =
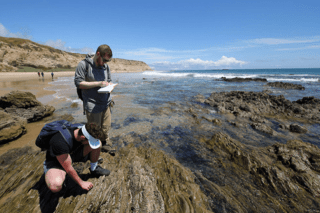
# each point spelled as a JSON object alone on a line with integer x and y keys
{"x": 59, "y": 146}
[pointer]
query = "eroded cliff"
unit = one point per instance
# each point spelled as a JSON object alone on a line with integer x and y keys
{"x": 16, "y": 52}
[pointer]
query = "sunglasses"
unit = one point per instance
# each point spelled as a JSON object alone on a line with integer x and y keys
{"x": 105, "y": 60}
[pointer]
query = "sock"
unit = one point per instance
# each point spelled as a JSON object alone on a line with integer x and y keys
{"x": 93, "y": 166}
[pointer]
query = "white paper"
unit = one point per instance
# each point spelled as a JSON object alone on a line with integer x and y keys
{"x": 107, "y": 89}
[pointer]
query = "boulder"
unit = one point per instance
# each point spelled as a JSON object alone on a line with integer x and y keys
{"x": 11, "y": 127}
{"x": 25, "y": 105}
{"x": 297, "y": 128}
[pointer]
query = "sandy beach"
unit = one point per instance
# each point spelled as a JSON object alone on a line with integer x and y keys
{"x": 28, "y": 81}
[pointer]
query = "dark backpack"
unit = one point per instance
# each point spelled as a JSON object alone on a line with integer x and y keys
{"x": 52, "y": 128}
{"x": 79, "y": 90}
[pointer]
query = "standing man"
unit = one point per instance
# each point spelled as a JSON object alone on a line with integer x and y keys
{"x": 60, "y": 155}
{"x": 92, "y": 74}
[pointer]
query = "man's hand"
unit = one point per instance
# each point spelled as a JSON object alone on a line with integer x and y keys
{"x": 66, "y": 163}
{"x": 86, "y": 185}
{"x": 104, "y": 83}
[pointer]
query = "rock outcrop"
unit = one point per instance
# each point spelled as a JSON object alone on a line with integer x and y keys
{"x": 142, "y": 180}
{"x": 283, "y": 85}
{"x": 243, "y": 79}
{"x": 231, "y": 177}
{"x": 247, "y": 104}
{"x": 16, "y": 52}
{"x": 25, "y": 105}
{"x": 18, "y": 108}
{"x": 11, "y": 127}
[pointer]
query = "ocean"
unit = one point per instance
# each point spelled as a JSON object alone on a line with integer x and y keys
{"x": 152, "y": 88}
{"x": 139, "y": 95}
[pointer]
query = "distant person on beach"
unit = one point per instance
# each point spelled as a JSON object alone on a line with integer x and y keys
{"x": 42, "y": 74}
{"x": 59, "y": 157}
{"x": 92, "y": 74}
{"x": 39, "y": 74}
{"x": 52, "y": 74}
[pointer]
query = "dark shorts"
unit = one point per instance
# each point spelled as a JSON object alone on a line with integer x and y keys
{"x": 76, "y": 156}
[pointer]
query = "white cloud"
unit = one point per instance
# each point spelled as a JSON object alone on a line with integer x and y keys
{"x": 3, "y": 31}
{"x": 276, "y": 41}
{"x": 23, "y": 34}
{"x": 59, "y": 44}
{"x": 223, "y": 62}
{"x": 300, "y": 48}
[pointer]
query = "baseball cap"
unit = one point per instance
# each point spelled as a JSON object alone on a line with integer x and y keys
{"x": 93, "y": 142}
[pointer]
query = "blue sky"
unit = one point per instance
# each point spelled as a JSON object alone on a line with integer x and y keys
{"x": 176, "y": 34}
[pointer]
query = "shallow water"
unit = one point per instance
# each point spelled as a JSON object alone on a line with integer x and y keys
{"x": 154, "y": 103}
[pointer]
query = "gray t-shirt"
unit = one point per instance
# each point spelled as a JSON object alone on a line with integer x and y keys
{"x": 93, "y": 101}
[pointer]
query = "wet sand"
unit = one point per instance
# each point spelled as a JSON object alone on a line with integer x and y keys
{"x": 30, "y": 82}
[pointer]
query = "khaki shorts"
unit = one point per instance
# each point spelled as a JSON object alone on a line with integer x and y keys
{"x": 76, "y": 156}
{"x": 103, "y": 119}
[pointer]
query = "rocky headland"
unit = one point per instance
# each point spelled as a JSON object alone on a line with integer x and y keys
{"x": 16, "y": 53}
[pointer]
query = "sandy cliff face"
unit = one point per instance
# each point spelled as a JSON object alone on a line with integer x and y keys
{"x": 16, "y": 52}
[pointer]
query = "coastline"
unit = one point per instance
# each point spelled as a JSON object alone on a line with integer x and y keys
{"x": 30, "y": 82}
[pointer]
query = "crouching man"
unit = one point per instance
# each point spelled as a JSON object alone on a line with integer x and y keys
{"x": 60, "y": 155}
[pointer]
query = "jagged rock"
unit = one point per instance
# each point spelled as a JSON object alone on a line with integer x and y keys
{"x": 141, "y": 180}
{"x": 263, "y": 128}
{"x": 237, "y": 79}
{"x": 25, "y": 105}
{"x": 285, "y": 85}
{"x": 286, "y": 168}
{"x": 297, "y": 128}
{"x": 247, "y": 104}
{"x": 11, "y": 127}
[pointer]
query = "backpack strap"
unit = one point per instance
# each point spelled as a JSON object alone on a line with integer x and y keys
{"x": 63, "y": 129}
{"x": 86, "y": 72}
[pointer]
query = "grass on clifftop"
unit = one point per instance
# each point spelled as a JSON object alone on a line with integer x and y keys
{"x": 32, "y": 69}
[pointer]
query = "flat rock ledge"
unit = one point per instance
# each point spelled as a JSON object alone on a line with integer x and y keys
{"x": 257, "y": 104}
{"x": 18, "y": 108}
{"x": 237, "y": 79}
{"x": 286, "y": 85}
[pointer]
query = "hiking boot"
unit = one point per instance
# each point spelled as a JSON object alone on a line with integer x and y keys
{"x": 99, "y": 171}
{"x": 108, "y": 149}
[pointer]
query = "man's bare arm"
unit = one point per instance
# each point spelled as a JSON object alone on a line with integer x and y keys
{"x": 66, "y": 162}
{"x": 89, "y": 85}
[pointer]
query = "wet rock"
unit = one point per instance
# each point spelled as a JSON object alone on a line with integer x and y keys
{"x": 142, "y": 180}
{"x": 213, "y": 120}
{"x": 297, "y": 128}
{"x": 199, "y": 98}
{"x": 243, "y": 79}
{"x": 263, "y": 128}
{"x": 286, "y": 169}
{"x": 247, "y": 104}
{"x": 11, "y": 127}
{"x": 25, "y": 105}
{"x": 286, "y": 85}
